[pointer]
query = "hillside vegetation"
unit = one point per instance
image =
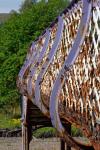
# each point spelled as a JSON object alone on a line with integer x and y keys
{"x": 3, "y": 17}
{"x": 16, "y": 34}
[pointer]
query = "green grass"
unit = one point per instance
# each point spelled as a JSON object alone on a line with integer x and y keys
{"x": 44, "y": 132}
{"x": 9, "y": 122}
{"x": 76, "y": 132}
{"x": 51, "y": 132}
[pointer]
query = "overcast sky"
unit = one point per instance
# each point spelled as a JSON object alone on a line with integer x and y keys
{"x": 7, "y": 5}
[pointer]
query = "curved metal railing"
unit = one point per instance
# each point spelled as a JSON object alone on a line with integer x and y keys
{"x": 61, "y": 73}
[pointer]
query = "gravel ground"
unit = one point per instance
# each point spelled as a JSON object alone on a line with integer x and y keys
{"x": 36, "y": 144}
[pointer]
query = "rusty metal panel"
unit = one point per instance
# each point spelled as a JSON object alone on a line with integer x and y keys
{"x": 54, "y": 67}
{"x": 78, "y": 83}
{"x": 46, "y": 64}
{"x": 39, "y": 60}
{"x": 54, "y": 102}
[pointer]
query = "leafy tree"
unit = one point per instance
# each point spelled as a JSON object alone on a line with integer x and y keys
{"x": 26, "y": 4}
{"x": 15, "y": 37}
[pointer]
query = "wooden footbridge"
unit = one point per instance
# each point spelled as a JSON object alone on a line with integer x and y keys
{"x": 60, "y": 79}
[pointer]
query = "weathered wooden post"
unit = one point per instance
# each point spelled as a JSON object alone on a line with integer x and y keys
{"x": 68, "y": 129}
{"x": 25, "y": 141}
{"x": 25, "y": 132}
{"x": 62, "y": 144}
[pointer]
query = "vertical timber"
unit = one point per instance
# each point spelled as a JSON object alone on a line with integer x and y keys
{"x": 68, "y": 129}
{"x": 25, "y": 128}
{"x": 62, "y": 144}
{"x": 25, "y": 141}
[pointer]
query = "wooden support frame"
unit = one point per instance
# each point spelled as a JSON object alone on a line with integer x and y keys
{"x": 62, "y": 144}
{"x": 26, "y": 136}
{"x": 25, "y": 139}
{"x": 25, "y": 126}
{"x": 68, "y": 129}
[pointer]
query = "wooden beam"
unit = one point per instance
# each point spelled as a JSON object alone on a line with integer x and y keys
{"x": 68, "y": 129}
{"x": 25, "y": 140}
{"x": 25, "y": 124}
{"x": 62, "y": 144}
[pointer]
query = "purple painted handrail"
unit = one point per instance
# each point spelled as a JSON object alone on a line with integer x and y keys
{"x": 68, "y": 63}
{"x": 25, "y": 66}
{"x": 45, "y": 66}
{"x": 33, "y": 70}
{"x": 31, "y": 58}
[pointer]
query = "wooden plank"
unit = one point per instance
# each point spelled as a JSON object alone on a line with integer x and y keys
{"x": 68, "y": 129}
{"x": 62, "y": 144}
{"x": 25, "y": 141}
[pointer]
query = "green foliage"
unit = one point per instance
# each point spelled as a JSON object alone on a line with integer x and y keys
{"x": 76, "y": 132}
{"x": 16, "y": 34}
{"x": 44, "y": 132}
{"x": 8, "y": 122}
{"x": 51, "y": 132}
{"x": 27, "y": 4}
{"x": 3, "y": 17}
